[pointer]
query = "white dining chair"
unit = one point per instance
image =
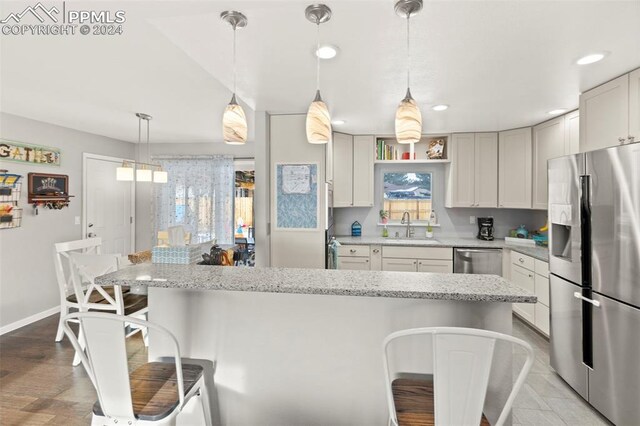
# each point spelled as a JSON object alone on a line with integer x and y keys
{"x": 152, "y": 394}
{"x": 455, "y": 393}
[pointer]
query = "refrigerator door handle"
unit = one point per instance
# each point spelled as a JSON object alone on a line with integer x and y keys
{"x": 593, "y": 302}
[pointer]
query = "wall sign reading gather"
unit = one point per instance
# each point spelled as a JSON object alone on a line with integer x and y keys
{"x": 27, "y": 153}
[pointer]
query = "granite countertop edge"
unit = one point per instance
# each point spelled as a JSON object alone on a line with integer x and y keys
{"x": 402, "y": 285}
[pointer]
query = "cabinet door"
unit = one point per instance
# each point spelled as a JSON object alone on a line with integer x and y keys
{"x": 542, "y": 317}
{"x": 542, "y": 289}
{"x": 462, "y": 170}
{"x": 404, "y": 265}
{"x": 604, "y": 115}
{"x": 376, "y": 258}
{"x": 486, "y": 169}
{"x": 634, "y": 106}
{"x": 363, "y": 150}
{"x": 548, "y": 142}
{"x": 438, "y": 266}
{"x": 353, "y": 263}
{"x": 342, "y": 170}
{"x": 524, "y": 279}
{"x": 514, "y": 169}
{"x": 572, "y": 133}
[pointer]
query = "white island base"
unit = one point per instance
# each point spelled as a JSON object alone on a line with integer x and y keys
{"x": 301, "y": 359}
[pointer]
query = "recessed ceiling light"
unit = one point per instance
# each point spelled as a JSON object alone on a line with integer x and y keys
{"x": 440, "y": 107}
{"x": 338, "y": 122}
{"x": 557, "y": 111}
{"x": 591, "y": 58}
{"x": 327, "y": 52}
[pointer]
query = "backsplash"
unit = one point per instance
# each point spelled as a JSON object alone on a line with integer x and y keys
{"x": 453, "y": 222}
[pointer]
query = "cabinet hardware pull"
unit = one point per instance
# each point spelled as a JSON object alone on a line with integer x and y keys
{"x": 352, "y": 251}
{"x": 593, "y": 302}
{"x": 376, "y": 251}
{"x": 530, "y": 276}
{"x": 621, "y": 140}
{"x": 631, "y": 138}
{"x": 367, "y": 260}
{"x": 521, "y": 260}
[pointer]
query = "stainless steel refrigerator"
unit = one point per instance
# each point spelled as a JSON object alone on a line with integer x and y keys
{"x": 594, "y": 260}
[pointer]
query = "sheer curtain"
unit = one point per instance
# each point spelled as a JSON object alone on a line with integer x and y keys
{"x": 199, "y": 196}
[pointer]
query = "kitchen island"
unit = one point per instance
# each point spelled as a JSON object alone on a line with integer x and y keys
{"x": 304, "y": 346}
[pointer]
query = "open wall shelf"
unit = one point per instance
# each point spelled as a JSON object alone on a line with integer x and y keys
{"x": 389, "y": 151}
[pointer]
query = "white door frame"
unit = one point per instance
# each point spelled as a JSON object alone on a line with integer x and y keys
{"x": 86, "y": 156}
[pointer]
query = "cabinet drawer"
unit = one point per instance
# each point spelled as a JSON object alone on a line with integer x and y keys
{"x": 438, "y": 266}
{"x": 418, "y": 252}
{"x": 541, "y": 268}
{"x": 523, "y": 260}
{"x": 353, "y": 251}
{"x": 523, "y": 278}
{"x": 353, "y": 263}
{"x": 526, "y": 311}
{"x": 542, "y": 318}
{"x": 404, "y": 265}
{"x": 542, "y": 289}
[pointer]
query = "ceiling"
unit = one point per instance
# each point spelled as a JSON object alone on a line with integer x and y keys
{"x": 498, "y": 64}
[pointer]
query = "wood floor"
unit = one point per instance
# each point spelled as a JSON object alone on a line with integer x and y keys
{"x": 38, "y": 385}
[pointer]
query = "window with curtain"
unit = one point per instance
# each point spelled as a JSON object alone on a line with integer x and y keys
{"x": 199, "y": 196}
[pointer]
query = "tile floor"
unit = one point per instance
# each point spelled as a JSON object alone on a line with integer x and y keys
{"x": 545, "y": 398}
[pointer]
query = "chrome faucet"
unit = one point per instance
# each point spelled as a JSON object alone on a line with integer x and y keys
{"x": 409, "y": 231}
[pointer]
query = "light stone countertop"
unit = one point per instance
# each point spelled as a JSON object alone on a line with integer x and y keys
{"x": 540, "y": 253}
{"x": 464, "y": 287}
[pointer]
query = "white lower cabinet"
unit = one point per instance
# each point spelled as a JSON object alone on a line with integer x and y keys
{"x": 354, "y": 257}
{"x": 376, "y": 258}
{"x": 417, "y": 259}
{"x": 532, "y": 275}
{"x": 354, "y": 263}
{"x": 402, "y": 265}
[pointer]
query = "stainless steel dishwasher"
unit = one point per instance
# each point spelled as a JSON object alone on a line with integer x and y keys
{"x": 477, "y": 261}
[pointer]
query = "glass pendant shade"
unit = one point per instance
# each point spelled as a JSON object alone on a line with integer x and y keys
{"x": 234, "y": 124}
{"x": 124, "y": 173}
{"x": 318, "y": 122}
{"x": 408, "y": 121}
{"x": 144, "y": 175}
{"x": 160, "y": 176}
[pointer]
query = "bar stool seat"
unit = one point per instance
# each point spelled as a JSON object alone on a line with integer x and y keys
{"x": 154, "y": 389}
{"x": 413, "y": 399}
{"x": 96, "y": 297}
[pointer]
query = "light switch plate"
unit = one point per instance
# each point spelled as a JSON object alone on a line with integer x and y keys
{"x": 77, "y": 220}
{"x": 472, "y": 220}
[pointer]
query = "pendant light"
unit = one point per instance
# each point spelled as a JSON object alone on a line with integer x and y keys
{"x": 318, "y": 117}
{"x": 234, "y": 122}
{"x": 408, "y": 118}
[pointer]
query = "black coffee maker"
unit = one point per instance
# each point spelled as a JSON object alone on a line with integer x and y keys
{"x": 485, "y": 228}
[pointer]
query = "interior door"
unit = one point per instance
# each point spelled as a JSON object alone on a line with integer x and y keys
{"x": 108, "y": 205}
{"x": 615, "y": 378}
{"x": 566, "y": 334}
{"x": 615, "y": 222}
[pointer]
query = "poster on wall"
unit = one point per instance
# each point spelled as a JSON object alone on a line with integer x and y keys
{"x": 296, "y": 196}
{"x": 27, "y": 153}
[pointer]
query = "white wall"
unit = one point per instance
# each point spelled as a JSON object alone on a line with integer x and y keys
{"x": 453, "y": 222}
{"x": 144, "y": 193}
{"x": 288, "y": 141}
{"x": 27, "y": 279}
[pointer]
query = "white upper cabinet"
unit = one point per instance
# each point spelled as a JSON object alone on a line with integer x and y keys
{"x": 363, "y": 171}
{"x": 548, "y": 143}
{"x": 353, "y": 170}
{"x": 604, "y": 115}
{"x": 486, "y": 170}
{"x": 572, "y": 133}
{"x": 342, "y": 170}
{"x": 514, "y": 169}
{"x": 462, "y": 172}
{"x": 473, "y": 173}
{"x": 634, "y": 106}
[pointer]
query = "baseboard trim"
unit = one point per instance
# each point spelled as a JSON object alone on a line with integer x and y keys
{"x": 28, "y": 320}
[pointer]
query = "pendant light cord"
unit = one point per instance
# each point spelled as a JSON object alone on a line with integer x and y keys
{"x": 234, "y": 59}
{"x": 317, "y": 56}
{"x": 408, "y": 52}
